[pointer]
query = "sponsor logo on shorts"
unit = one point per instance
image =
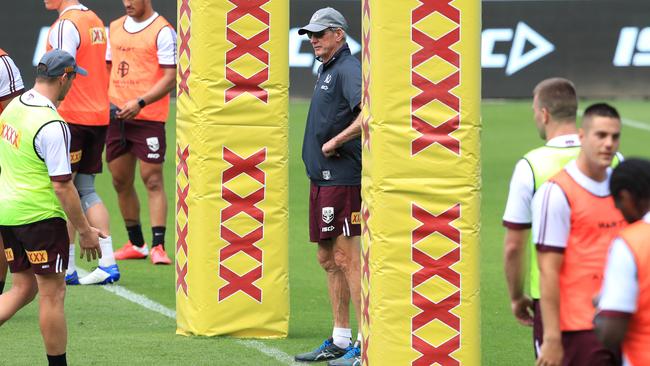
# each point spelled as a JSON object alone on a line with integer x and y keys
{"x": 327, "y": 229}
{"x": 10, "y": 134}
{"x": 328, "y": 214}
{"x": 327, "y": 175}
{"x": 97, "y": 35}
{"x": 355, "y": 218}
{"x": 37, "y": 257}
{"x": 9, "y": 254}
{"x": 153, "y": 156}
{"x": 75, "y": 156}
{"x": 153, "y": 143}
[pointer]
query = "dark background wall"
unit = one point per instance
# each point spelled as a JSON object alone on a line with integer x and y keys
{"x": 603, "y": 45}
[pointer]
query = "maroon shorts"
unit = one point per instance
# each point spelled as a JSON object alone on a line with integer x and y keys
{"x": 582, "y": 348}
{"x": 334, "y": 210}
{"x": 42, "y": 246}
{"x": 144, "y": 139}
{"x": 86, "y": 148}
{"x": 538, "y": 327}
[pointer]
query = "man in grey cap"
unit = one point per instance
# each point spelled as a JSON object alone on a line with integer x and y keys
{"x": 331, "y": 152}
{"x": 37, "y": 196}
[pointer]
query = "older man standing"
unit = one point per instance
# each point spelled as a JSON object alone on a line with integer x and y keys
{"x": 332, "y": 156}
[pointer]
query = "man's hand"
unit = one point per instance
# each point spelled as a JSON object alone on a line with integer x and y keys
{"x": 89, "y": 243}
{"x": 329, "y": 148}
{"x": 129, "y": 110}
{"x": 522, "y": 309}
{"x": 551, "y": 353}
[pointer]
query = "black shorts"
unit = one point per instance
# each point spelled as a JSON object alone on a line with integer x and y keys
{"x": 42, "y": 246}
{"x": 86, "y": 148}
{"x": 334, "y": 210}
{"x": 144, "y": 139}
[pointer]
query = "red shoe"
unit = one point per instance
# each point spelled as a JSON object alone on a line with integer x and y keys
{"x": 159, "y": 256}
{"x": 130, "y": 251}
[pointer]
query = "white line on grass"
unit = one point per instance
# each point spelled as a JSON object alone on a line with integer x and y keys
{"x": 149, "y": 304}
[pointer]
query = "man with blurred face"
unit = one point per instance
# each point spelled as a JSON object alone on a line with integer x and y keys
{"x": 554, "y": 111}
{"x": 37, "y": 195}
{"x": 574, "y": 222}
{"x": 331, "y": 152}
{"x": 81, "y": 33}
{"x": 11, "y": 86}
{"x": 624, "y": 305}
{"x": 142, "y": 58}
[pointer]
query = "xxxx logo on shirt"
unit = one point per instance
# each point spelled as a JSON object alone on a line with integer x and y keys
{"x": 10, "y": 135}
{"x": 37, "y": 257}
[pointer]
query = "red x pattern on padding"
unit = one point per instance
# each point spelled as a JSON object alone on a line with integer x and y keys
{"x": 182, "y": 192}
{"x": 252, "y": 46}
{"x": 184, "y": 35}
{"x": 247, "y": 205}
{"x": 440, "y": 355}
{"x": 429, "y": 268}
{"x": 430, "y": 91}
{"x": 240, "y": 283}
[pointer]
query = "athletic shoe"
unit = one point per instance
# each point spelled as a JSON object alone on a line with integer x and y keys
{"x": 159, "y": 256}
{"x": 130, "y": 251}
{"x": 326, "y": 352}
{"x": 101, "y": 276}
{"x": 351, "y": 358}
{"x": 72, "y": 278}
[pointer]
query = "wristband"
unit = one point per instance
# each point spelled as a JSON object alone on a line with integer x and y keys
{"x": 141, "y": 102}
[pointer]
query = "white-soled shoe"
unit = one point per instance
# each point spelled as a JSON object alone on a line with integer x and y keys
{"x": 101, "y": 276}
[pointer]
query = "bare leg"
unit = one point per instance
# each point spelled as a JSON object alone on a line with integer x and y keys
{"x": 347, "y": 255}
{"x": 51, "y": 312}
{"x": 152, "y": 177}
{"x": 123, "y": 172}
{"x": 337, "y": 285}
{"x": 22, "y": 292}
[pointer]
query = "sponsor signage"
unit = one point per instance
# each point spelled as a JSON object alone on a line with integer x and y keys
{"x": 604, "y": 46}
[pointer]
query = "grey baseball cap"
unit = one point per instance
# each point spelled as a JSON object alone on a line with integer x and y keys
{"x": 324, "y": 18}
{"x": 56, "y": 63}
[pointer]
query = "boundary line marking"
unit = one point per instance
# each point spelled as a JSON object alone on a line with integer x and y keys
{"x": 151, "y": 305}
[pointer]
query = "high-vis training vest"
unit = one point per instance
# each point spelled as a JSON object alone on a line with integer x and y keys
{"x": 87, "y": 101}
{"x": 26, "y": 192}
{"x": 135, "y": 67}
{"x": 545, "y": 162}
{"x": 637, "y": 340}
{"x": 595, "y": 222}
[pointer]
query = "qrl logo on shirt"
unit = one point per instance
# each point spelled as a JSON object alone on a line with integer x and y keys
{"x": 328, "y": 214}
{"x": 153, "y": 143}
{"x": 97, "y": 35}
{"x": 37, "y": 257}
{"x": 10, "y": 134}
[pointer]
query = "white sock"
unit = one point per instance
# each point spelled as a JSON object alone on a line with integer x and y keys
{"x": 359, "y": 339}
{"x": 106, "y": 246}
{"x": 71, "y": 266}
{"x": 342, "y": 337}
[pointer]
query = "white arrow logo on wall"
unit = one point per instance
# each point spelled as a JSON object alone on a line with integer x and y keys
{"x": 518, "y": 59}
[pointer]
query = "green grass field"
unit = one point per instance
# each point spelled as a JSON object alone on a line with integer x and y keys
{"x": 107, "y": 329}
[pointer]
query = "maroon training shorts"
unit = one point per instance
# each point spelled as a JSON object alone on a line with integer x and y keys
{"x": 86, "y": 148}
{"x": 42, "y": 245}
{"x": 334, "y": 210}
{"x": 144, "y": 139}
{"x": 582, "y": 348}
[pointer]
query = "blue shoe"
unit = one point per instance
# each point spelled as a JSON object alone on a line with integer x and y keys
{"x": 72, "y": 279}
{"x": 101, "y": 276}
{"x": 351, "y": 358}
{"x": 326, "y": 352}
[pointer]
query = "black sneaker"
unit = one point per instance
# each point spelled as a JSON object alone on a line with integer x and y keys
{"x": 326, "y": 352}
